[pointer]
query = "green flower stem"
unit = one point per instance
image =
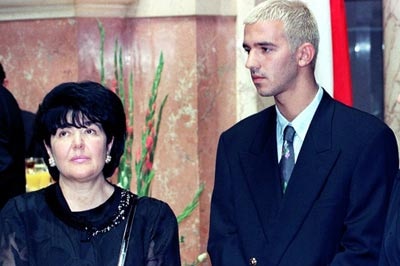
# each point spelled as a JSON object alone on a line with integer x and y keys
{"x": 144, "y": 164}
{"x": 102, "y": 36}
{"x": 191, "y": 206}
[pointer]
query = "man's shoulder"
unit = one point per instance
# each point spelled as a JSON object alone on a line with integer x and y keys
{"x": 7, "y": 98}
{"x": 257, "y": 126}
{"x": 357, "y": 117}
{"x": 5, "y": 91}
{"x": 253, "y": 121}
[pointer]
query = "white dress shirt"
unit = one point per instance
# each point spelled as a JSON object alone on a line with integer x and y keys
{"x": 300, "y": 124}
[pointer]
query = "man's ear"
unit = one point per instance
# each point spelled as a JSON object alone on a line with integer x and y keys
{"x": 305, "y": 54}
{"x": 5, "y": 83}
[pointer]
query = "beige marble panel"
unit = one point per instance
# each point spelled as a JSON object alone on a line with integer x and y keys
{"x": 391, "y": 28}
{"x": 198, "y": 77}
{"x": 34, "y": 9}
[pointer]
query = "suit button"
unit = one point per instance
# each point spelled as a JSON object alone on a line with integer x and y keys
{"x": 253, "y": 261}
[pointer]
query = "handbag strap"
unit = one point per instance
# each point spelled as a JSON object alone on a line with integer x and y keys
{"x": 127, "y": 233}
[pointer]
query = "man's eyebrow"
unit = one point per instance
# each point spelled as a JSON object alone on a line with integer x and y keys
{"x": 245, "y": 45}
{"x": 265, "y": 44}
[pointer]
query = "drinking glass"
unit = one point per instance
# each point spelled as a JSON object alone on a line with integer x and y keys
{"x": 37, "y": 174}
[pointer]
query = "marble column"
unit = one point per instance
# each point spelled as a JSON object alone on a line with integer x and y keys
{"x": 45, "y": 44}
{"x": 391, "y": 29}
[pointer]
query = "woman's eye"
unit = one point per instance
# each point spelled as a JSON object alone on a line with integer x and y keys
{"x": 91, "y": 131}
{"x": 62, "y": 133}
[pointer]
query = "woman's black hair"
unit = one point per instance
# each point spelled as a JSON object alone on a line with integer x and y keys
{"x": 68, "y": 103}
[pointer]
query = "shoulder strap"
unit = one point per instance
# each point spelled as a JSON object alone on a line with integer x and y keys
{"x": 127, "y": 233}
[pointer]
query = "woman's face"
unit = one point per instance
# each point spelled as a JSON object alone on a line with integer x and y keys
{"x": 79, "y": 153}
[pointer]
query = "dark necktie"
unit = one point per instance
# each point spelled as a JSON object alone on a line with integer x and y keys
{"x": 287, "y": 160}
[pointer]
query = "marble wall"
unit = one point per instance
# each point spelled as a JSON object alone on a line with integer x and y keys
{"x": 391, "y": 28}
{"x": 204, "y": 77}
{"x": 199, "y": 78}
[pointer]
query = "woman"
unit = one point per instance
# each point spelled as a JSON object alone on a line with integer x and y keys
{"x": 81, "y": 218}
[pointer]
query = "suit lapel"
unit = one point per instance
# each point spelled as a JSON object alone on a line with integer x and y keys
{"x": 261, "y": 169}
{"x": 264, "y": 186}
{"x": 309, "y": 176}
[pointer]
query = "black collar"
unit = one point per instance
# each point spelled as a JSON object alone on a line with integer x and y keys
{"x": 94, "y": 221}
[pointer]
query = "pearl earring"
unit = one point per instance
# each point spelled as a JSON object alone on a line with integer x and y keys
{"x": 52, "y": 163}
{"x": 108, "y": 158}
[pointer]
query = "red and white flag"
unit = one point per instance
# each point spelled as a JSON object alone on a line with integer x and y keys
{"x": 333, "y": 62}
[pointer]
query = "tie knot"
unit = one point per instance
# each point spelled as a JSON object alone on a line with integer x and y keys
{"x": 289, "y": 133}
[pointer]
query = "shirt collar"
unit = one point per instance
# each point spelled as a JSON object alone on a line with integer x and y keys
{"x": 302, "y": 121}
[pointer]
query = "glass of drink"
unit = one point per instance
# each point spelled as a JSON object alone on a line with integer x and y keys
{"x": 37, "y": 174}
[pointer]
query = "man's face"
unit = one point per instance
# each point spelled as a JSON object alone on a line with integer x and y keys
{"x": 271, "y": 63}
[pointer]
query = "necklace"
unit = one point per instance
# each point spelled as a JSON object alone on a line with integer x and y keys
{"x": 121, "y": 215}
{"x": 96, "y": 221}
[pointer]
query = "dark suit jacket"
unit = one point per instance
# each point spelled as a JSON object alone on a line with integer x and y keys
{"x": 12, "y": 148}
{"x": 32, "y": 145}
{"x": 334, "y": 208}
{"x": 390, "y": 253}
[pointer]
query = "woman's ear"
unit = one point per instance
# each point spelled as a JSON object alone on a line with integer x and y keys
{"x": 109, "y": 145}
{"x": 52, "y": 162}
{"x": 305, "y": 54}
{"x": 48, "y": 149}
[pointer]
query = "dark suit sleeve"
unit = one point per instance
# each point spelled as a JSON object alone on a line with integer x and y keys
{"x": 12, "y": 150}
{"x": 223, "y": 244}
{"x": 391, "y": 243}
{"x": 370, "y": 189}
{"x": 5, "y": 155}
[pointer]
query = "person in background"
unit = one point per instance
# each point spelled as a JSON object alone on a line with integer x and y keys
{"x": 12, "y": 149}
{"x": 307, "y": 181}
{"x": 32, "y": 146}
{"x": 82, "y": 218}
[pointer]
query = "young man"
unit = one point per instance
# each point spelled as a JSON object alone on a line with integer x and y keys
{"x": 325, "y": 201}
